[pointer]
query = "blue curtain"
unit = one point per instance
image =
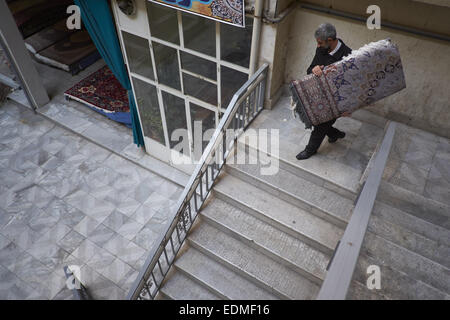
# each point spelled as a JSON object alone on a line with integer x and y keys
{"x": 96, "y": 16}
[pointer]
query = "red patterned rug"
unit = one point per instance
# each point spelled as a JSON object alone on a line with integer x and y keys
{"x": 101, "y": 90}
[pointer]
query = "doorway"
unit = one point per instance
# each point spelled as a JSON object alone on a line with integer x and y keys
{"x": 184, "y": 70}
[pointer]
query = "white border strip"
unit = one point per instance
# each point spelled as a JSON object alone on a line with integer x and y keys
{"x": 72, "y": 97}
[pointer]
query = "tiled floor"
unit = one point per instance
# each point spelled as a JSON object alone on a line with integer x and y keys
{"x": 91, "y": 125}
{"x": 66, "y": 201}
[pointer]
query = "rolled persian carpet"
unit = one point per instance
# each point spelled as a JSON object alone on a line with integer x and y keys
{"x": 363, "y": 77}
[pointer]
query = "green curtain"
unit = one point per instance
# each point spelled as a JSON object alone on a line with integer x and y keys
{"x": 96, "y": 16}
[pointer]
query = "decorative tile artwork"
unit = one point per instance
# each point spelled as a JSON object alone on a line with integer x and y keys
{"x": 227, "y": 11}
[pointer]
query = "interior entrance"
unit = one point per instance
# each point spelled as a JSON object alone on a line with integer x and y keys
{"x": 184, "y": 68}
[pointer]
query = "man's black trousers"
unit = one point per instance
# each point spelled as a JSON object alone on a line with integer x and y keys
{"x": 318, "y": 134}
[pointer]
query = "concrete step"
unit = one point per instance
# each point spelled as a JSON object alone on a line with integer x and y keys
{"x": 296, "y": 190}
{"x": 426, "y": 209}
{"x": 298, "y": 223}
{"x": 395, "y": 284}
{"x": 431, "y": 249}
{"x": 329, "y": 167}
{"x": 388, "y": 254}
{"x": 178, "y": 286}
{"x": 412, "y": 223}
{"x": 249, "y": 263}
{"x": 366, "y": 116}
{"x": 219, "y": 279}
{"x": 359, "y": 291}
{"x": 267, "y": 239}
{"x": 319, "y": 169}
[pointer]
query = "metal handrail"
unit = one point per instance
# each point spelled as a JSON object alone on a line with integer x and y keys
{"x": 344, "y": 260}
{"x": 243, "y": 108}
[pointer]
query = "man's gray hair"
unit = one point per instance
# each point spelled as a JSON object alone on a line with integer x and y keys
{"x": 325, "y": 31}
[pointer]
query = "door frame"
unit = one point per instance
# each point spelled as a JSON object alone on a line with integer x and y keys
{"x": 154, "y": 148}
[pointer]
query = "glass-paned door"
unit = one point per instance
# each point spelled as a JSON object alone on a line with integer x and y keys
{"x": 138, "y": 55}
{"x": 199, "y": 34}
{"x": 231, "y": 81}
{"x": 167, "y": 66}
{"x": 184, "y": 74}
{"x": 163, "y": 23}
{"x": 236, "y": 43}
{"x": 175, "y": 110}
{"x": 202, "y": 121}
{"x": 147, "y": 99}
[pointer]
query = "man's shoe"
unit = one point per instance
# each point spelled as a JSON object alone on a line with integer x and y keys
{"x": 305, "y": 155}
{"x": 340, "y": 136}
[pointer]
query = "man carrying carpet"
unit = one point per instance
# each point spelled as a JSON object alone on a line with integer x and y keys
{"x": 329, "y": 50}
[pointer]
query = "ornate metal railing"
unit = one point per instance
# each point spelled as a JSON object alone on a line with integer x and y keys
{"x": 245, "y": 105}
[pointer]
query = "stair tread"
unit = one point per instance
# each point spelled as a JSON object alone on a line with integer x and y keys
{"x": 394, "y": 284}
{"x": 217, "y": 276}
{"x": 265, "y": 236}
{"x": 433, "y": 250}
{"x": 411, "y": 222}
{"x": 387, "y": 253}
{"x": 415, "y": 204}
{"x": 300, "y": 188}
{"x": 284, "y": 213}
{"x": 358, "y": 291}
{"x": 367, "y": 116}
{"x": 177, "y": 286}
{"x": 320, "y": 165}
{"x": 269, "y": 273}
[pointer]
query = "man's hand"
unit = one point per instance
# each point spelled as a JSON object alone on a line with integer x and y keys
{"x": 317, "y": 70}
{"x": 346, "y": 114}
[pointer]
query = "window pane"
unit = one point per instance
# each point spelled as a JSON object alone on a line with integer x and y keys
{"x": 232, "y": 80}
{"x": 138, "y": 54}
{"x": 235, "y": 43}
{"x": 166, "y": 60}
{"x": 175, "y": 116}
{"x": 147, "y": 101}
{"x": 200, "y": 89}
{"x": 199, "y": 34}
{"x": 198, "y": 65}
{"x": 207, "y": 119}
{"x": 163, "y": 22}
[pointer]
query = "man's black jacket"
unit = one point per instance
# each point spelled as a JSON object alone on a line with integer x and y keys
{"x": 325, "y": 59}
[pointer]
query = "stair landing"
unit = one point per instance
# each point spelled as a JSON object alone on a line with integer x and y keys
{"x": 339, "y": 166}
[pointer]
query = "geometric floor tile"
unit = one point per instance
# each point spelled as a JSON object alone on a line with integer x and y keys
{"x": 66, "y": 201}
{"x": 71, "y": 241}
{"x": 115, "y": 271}
{"x": 101, "y": 235}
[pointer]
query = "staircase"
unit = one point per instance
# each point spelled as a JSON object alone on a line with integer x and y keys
{"x": 408, "y": 234}
{"x": 272, "y": 236}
